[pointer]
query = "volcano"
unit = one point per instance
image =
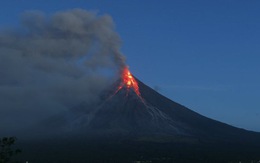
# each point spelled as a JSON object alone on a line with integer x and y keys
{"x": 132, "y": 122}
{"x": 130, "y": 109}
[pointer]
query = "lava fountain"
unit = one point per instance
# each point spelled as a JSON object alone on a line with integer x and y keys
{"x": 128, "y": 82}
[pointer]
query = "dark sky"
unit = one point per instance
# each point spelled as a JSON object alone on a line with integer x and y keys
{"x": 202, "y": 54}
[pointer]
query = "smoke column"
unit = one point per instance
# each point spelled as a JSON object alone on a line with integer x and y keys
{"x": 50, "y": 64}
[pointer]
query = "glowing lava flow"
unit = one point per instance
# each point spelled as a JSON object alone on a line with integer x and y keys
{"x": 129, "y": 81}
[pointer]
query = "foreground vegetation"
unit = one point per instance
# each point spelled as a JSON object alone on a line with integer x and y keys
{"x": 6, "y": 150}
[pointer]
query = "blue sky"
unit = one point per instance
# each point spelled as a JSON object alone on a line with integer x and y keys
{"x": 202, "y": 54}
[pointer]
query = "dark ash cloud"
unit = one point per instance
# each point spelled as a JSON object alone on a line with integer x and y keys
{"x": 51, "y": 64}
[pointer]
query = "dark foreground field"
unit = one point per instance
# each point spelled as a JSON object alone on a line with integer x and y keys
{"x": 131, "y": 151}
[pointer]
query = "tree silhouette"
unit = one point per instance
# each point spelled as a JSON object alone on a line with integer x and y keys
{"x": 6, "y": 151}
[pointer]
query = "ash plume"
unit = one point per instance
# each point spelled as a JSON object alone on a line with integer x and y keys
{"x": 50, "y": 64}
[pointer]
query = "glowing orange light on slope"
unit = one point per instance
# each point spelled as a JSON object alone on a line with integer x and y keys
{"x": 129, "y": 81}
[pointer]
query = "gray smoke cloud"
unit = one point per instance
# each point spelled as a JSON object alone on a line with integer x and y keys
{"x": 50, "y": 64}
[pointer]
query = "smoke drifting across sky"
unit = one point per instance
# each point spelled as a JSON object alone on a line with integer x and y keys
{"x": 51, "y": 64}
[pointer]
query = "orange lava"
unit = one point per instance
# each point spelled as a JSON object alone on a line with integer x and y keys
{"x": 129, "y": 81}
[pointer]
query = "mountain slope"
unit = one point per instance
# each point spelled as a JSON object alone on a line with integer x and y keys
{"x": 123, "y": 113}
{"x": 195, "y": 124}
